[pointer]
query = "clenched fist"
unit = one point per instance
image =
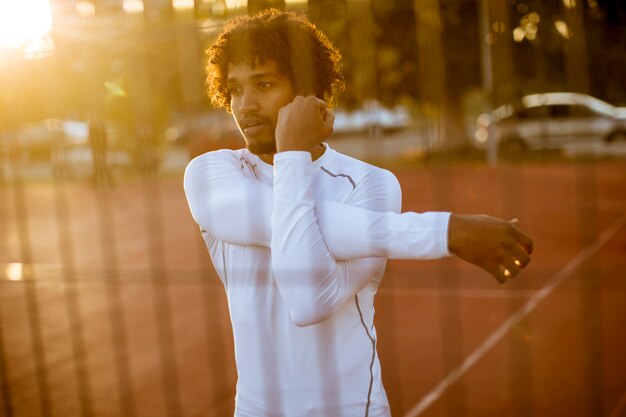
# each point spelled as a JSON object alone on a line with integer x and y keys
{"x": 495, "y": 245}
{"x": 303, "y": 124}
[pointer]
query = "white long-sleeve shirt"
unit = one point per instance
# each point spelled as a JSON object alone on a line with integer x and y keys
{"x": 301, "y": 248}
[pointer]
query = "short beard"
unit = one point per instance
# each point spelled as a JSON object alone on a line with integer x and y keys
{"x": 261, "y": 148}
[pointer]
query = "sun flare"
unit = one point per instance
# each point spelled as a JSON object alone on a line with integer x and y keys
{"x": 25, "y": 24}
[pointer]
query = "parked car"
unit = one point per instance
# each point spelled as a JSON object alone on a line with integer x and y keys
{"x": 372, "y": 115}
{"x": 38, "y": 141}
{"x": 64, "y": 143}
{"x": 550, "y": 121}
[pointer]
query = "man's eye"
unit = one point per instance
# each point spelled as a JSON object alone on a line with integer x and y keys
{"x": 234, "y": 90}
{"x": 264, "y": 85}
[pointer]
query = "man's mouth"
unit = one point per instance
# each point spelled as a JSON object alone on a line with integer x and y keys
{"x": 252, "y": 125}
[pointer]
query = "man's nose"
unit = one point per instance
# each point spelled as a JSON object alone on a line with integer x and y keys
{"x": 249, "y": 102}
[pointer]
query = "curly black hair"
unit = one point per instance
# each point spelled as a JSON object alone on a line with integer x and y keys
{"x": 303, "y": 54}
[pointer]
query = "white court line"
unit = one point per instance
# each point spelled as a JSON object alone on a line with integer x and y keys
{"x": 515, "y": 318}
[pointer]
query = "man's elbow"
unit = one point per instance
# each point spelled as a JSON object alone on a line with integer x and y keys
{"x": 308, "y": 313}
{"x": 309, "y": 299}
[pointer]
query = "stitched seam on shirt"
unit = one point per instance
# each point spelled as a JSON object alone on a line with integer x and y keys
{"x": 224, "y": 265}
{"x": 369, "y": 391}
{"x": 348, "y": 177}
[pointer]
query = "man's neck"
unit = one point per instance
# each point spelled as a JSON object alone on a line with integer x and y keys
{"x": 316, "y": 152}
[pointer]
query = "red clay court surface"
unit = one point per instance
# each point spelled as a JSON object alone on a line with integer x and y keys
{"x": 117, "y": 312}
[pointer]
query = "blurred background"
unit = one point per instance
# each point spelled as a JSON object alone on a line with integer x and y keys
{"x": 129, "y": 74}
{"x": 109, "y": 305}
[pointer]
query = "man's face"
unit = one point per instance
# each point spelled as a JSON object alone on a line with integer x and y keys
{"x": 256, "y": 96}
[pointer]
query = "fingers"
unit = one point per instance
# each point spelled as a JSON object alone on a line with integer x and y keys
{"x": 523, "y": 239}
{"x": 329, "y": 122}
{"x": 504, "y": 272}
{"x": 501, "y": 274}
{"x": 517, "y": 256}
{"x": 512, "y": 262}
{"x": 327, "y": 116}
{"x": 511, "y": 266}
{"x": 520, "y": 257}
{"x": 303, "y": 124}
{"x": 310, "y": 102}
{"x": 322, "y": 106}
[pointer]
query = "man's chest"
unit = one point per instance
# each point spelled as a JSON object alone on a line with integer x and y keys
{"x": 328, "y": 184}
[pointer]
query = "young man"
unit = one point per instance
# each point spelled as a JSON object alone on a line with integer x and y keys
{"x": 299, "y": 234}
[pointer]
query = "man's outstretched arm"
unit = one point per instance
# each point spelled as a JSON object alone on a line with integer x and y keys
{"x": 237, "y": 209}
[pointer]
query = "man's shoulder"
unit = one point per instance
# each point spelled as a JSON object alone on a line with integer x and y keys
{"x": 371, "y": 184}
{"x": 217, "y": 156}
{"x": 214, "y": 164}
{"x": 361, "y": 169}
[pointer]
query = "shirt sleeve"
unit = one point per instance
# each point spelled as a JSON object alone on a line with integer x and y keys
{"x": 237, "y": 209}
{"x": 225, "y": 202}
{"x": 310, "y": 279}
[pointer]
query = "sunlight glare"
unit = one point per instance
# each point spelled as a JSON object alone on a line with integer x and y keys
{"x": 85, "y": 9}
{"x": 518, "y": 34}
{"x": 235, "y": 4}
{"x": 528, "y": 27}
{"x": 133, "y": 6}
{"x": 498, "y": 27}
{"x": 570, "y": 4}
{"x": 24, "y": 22}
{"x": 562, "y": 28}
{"x": 182, "y": 4}
{"x": 15, "y": 271}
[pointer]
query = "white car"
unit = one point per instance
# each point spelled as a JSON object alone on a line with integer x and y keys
{"x": 372, "y": 115}
{"x": 550, "y": 121}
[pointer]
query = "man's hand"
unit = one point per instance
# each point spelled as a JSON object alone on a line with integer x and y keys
{"x": 303, "y": 124}
{"x": 495, "y": 245}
